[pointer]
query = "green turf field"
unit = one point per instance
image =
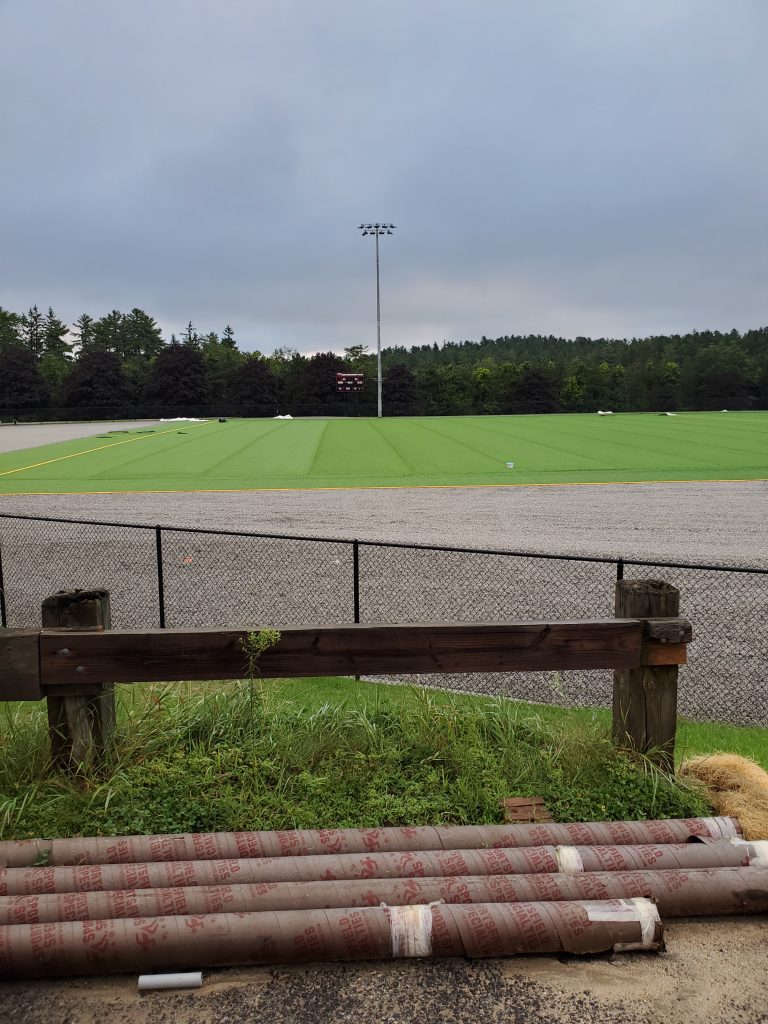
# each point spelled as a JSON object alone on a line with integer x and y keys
{"x": 399, "y": 452}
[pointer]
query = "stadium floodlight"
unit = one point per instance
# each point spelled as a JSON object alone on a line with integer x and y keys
{"x": 376, "y": 230}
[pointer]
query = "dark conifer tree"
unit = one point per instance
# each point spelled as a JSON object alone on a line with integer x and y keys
{"x": 253, "y": 387}
{"x": 33, "y": 331}
{"x": 178, "y": 377}
{"x": 11, "y": 325}
{"x": 22, "y": 386}
{"x": 97, "y": 381}
{"x": 399, "y": 391}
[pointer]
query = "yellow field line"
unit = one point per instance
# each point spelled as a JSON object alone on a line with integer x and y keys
{"x": 389, "y": 487}
{"x": 88, "y": 451}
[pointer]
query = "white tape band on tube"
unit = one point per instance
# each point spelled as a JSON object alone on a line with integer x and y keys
{"x": 569, "y": 860}
{"x": 637, "y": 909}
{"x": 720, "y": 828}
{"x": 757, "y": 851}
{"x": 411, "y": 929}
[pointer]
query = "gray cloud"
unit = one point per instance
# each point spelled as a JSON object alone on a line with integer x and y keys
{"x": 590, "y": 167}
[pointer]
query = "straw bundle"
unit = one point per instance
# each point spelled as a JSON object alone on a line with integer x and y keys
{"x": 738, "y": 787}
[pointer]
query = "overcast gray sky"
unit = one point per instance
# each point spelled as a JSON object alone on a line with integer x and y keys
{"x": 592, "y": 167}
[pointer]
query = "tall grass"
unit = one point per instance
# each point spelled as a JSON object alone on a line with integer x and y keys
{"x": 324, "y": 753}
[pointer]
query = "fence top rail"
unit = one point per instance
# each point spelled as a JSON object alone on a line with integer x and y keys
{"x": 50, "y": 661}
{"x": 502, "y": 552}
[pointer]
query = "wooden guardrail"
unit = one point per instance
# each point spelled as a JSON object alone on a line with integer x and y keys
{"x": 74, "y": 667}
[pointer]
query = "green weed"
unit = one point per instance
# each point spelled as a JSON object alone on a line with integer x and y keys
{"x": 326, "y": 753}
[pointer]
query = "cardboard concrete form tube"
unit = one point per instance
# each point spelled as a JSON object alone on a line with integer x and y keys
{"x": 332, "y": 867}
{"x": 238, "y": 845}
{"x": 706, "y": 891}
{"x": 370, "y": 933}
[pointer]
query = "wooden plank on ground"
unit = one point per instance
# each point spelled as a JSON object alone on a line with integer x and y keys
{"x": 155, "y": 655}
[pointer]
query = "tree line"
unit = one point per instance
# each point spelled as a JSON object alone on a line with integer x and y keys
{"x": 119, "y": 365}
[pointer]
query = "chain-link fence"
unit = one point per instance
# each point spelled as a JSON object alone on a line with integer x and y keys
{"x": 178, "y": 577}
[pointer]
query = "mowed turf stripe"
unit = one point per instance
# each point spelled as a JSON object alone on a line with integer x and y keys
{"x": 518, "y": 455}
{"x": 365, "y": 452}
{"x": 632, "y": 455}
{"x": 220, "y": 456}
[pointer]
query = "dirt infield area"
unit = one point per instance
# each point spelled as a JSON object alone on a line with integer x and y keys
{"x": 14, "y": 437}
{"x": 713, "y": 971}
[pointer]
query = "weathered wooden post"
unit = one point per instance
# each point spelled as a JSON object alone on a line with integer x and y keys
{"x": 79, "y": 724}
{"x": 645, "y": 698}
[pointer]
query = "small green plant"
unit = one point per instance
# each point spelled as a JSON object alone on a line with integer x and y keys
{"x": 254, "y": 645}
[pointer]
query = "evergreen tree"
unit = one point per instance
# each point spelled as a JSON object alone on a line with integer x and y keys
{"x": 33, "y": 331}
{"x": 664, "y": 388}
{"x": 11, "y": 325}
{"x": 140, "y": 337}
{"x": 21, "y": 384}
{"x": 287, "y": 365}
{"x": 534, "y": 393}
{"x": 399, "y": 391}
{"x": 178, "y": 377}
{"x": 55, "y": 342}
{"x": 228, "y": 338}
{"x": 190, "y": 336}
{"x": 97, "y": 381}
{"x": 253, "y": 387}
{"x": 85, "y": 334}
{"x": 222, "y": 364}
{"x": 108, "y": 333}
{"x": 316, "y": 394}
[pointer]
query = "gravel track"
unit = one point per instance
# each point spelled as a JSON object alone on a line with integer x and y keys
{"x": 720, "y": 522}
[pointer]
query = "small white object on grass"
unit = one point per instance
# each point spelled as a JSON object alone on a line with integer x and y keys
{"x": 605, "y": 412}
{"x": 510, "y": 465}
{"x": 151, "y": 982}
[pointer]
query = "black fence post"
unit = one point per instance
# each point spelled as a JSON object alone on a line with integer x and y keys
{"x": 620, "y": 569}
{"x": 356, "y": 578}
{"x": 3, "y": 616}
{"x": 160, "y": 580}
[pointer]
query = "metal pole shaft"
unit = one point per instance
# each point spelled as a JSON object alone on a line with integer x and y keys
{"x": 378, "y": 327}
{"x": 160, "y": 575}
{"x": 3, "y": 612}
{"x": 356, "y": 579}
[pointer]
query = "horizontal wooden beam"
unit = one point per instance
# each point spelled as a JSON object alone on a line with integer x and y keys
{"x": 124, "y": 656}
{"x": 669, "y": 630}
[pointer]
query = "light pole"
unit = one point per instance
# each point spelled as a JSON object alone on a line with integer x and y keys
{"x": 376, "y": 230}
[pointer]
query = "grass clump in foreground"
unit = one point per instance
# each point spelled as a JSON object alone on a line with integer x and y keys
{"x": 210, "y": 757}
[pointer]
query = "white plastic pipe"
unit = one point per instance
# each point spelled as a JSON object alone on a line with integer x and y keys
{"x": 150, "y": 982}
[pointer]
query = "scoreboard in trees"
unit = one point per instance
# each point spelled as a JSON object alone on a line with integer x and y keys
{"x": 350, "y": 382}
